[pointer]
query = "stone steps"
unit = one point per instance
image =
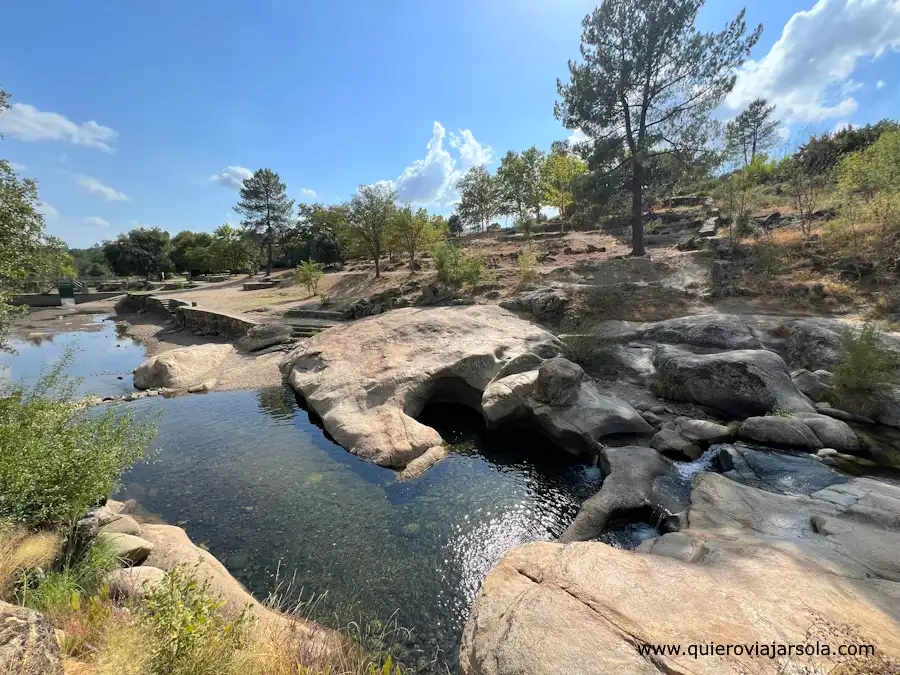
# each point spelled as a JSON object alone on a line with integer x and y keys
{"x": 304, "y": 313}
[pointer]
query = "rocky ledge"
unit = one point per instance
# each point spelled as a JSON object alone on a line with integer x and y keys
{"x": 778, "y": 549}
{"x": 369, "y": 380}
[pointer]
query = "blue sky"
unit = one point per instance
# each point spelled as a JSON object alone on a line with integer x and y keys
{"x": 149, "y": 113}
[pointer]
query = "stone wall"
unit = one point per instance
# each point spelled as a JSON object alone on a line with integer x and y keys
{"x": 208, "y": 322}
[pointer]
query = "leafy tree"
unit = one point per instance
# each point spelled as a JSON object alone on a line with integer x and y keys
{"x": 309, "y": 273}
{"x": 142, "y": 251}
{"x": 90, "y": 261}
{"x": 478, "y": 202}
{"x": 455, "y": 225}
{"x": 321, "y": 231}
{"x": 191, "y": 252}
{"x": 558, "y": 176}
{"x": 519, "y": 183}
{"x": 646, "y": 86}
{"x": 369, "y": 216}
{"x": 413, "y": 231}
{"x": 822, "y": 153}
{"x": 267, "y": 212}
{"x": 752, "y": 132}
{"x": 232, "y": 250}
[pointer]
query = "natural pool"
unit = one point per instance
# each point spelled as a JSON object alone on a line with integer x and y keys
{"x": 251, "y": 477}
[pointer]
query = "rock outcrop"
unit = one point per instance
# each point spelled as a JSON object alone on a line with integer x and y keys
{"x": 564, "y": 403}
{"x": 28, "y": 644}
{"x": 368, "y": 380}
{"x": 181, "y": 368}
{"x": 266, "y": 335}
{"x": 740, "y": 383}
{"x": 753, "y": 566}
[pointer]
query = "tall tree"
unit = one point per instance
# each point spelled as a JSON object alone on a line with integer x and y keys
{"x": 413, "y": 231}
{"x": 752, "y": 132}
{"x": 266, "y": 209}
{"x": 560, "y": 172}
{"x": 369, "y": 215}
{"x": 233, "y": 251}
{"x": 321, "y": 231}
{"x": 188, "y": 251}
{"x": 455, "y": 225}
{"x": 519, "y": 183}
{"x": 142, "y": 251}
{"x": 477, "y": 197}
{"x": 646, "y": 86}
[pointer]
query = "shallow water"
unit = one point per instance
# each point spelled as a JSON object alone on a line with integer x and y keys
{"x": 251, "y": 477}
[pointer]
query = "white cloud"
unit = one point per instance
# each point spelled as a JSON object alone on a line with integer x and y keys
{"x": 578, "y": 136}
{"x": 784, "y": 133}
{"x": 432, "y": 180}
{"x": 232, "y": 177}
{"x": 27, "y": 123}
{"x": 46, "y": 210}
{"x": 18, "y": 168}
{"x": 94, "y": 221}
{"x": 807, "y": 73}
{"x": 98, "y": 189}
{"x": 307, "y": 193}
{"x": 881, "y": 84}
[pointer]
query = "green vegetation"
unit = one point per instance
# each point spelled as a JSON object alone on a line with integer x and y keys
{"x": 267, "y": 212}
{"x": 56, "y": 460}
{"x": 866, "y": 367}
{"x": 478, "y": 198}
{"x": 558, "y": 176}
{"x": 592, "y": 353}
{"x": 308, "y": 274}
{"x": 526, "y": 262}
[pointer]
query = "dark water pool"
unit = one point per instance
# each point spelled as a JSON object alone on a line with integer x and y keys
{"x": 251, "y": 477}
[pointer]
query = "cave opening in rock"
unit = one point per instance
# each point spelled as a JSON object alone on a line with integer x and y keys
{"x": 628, "y": 528}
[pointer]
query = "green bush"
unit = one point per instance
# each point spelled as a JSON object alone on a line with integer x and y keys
{"x": 447, "y": 262}
{"x": 591, "y": 352}
{"x": 190, "y": 634}
{"x": 56, "y": 460}
{"x": 526, "y": 262}
{"x": 865, "y": 368}
{"x": 472, "y": 270}
{"x": 308, "y": 274}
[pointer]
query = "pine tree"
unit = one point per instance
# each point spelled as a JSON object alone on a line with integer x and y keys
{"x": 752, "y": 132}
{"x": 267, "y": 212}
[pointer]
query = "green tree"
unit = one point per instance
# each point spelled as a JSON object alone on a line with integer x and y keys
{"x": 90, "y": 261}
{"x": 232, "y": 249}
{"x": 752, "y": 132}
{"x": 413, "y": 231}
{"x": 142, "y": 251}
{"x": 308, "y": 274}
{"x": 191, "y": 252}
{"x": 519, "y": 184}
{"x": 267, "y": 212}
{"x": 369, "y": 216}
{"x": 321, "y": 230}
{"x": 478, "y": 199}
{"x": 646, "y": 86}
{"x": 559, "y": 174}
{"x": 455, "y": 225}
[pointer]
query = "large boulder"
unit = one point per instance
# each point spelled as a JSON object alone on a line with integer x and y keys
{"x": 833, "y": 433}
{"x": 181, "y": 368}
{"x": 637, "y": 478}
{"x": 266, "y": 335}
{"x": 544, "y": 304}
{"x": 816, "y": 385}
{"x": 28, "y": 644}
{"x": 670, "y": 442}
{"x": 704, "y": 431}
{"x": 558, "y": 382}
{"x": 369, "y": 380}
{"x": 127, "y": 548}
{"x": 134, "y": 582}
{"x": 714, "y": 331}
{"x": 788, "y": 432}
{"x": 578, "y": 426}
{"x": 753, "y": 567}
{"x": 740, "y": 383}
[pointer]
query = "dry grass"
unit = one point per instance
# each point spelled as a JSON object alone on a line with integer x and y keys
{"x": 20, "y": 550}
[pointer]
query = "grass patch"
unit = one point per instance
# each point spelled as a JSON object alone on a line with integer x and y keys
{"x": 591, "y": 352}
{"x": 866, "y": 367}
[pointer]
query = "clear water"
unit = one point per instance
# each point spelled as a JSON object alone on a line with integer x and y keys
{"x": 250, "y": 476}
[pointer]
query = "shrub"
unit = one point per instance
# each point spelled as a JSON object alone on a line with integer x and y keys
{"x": 56, "y": 460}
{"x": 447, "y": 261}
{"x": 190, "y": 634}
{"x": 591, "y": 352}
{"x": 309, "y": 273}
{"x": 526, "y": 262}
{"x": 865, "y": 367}
{"x": 472, "y": 270}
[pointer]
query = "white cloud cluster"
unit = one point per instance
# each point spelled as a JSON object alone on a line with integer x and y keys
{"x": 881, "y": 84}
{"x": 47, "y": 210}
{"x": 307, "y": 193}
{"x": 232, "y": 177}
{"x": 94, "y": 221}
{"x": 18, "y": 168}
{"x": 27, "y": 123}
{"x": 432, "y": 180}
{"x": 98, "y": 189}
{"x": 807, "y": 73}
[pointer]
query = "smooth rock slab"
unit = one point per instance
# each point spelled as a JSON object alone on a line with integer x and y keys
{"x": 780, "y": 431}
{"x": 368, "y": 380}
{"x": 673, "y": 443}
{"x": 133, "y": 582}
{"x": 705, "y": 431}
{"x": 833, "y": 433}
{"x": 181, "y": 368}
{"x": 28, "y": 644}
{"x": 127, "y": 548}
{"x": 122, "y": 525}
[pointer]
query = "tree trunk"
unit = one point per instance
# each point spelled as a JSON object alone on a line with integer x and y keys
{"x": 637, "y": 213}
{"x": 377, "y": 253}
{"x": 269, "y": 261}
